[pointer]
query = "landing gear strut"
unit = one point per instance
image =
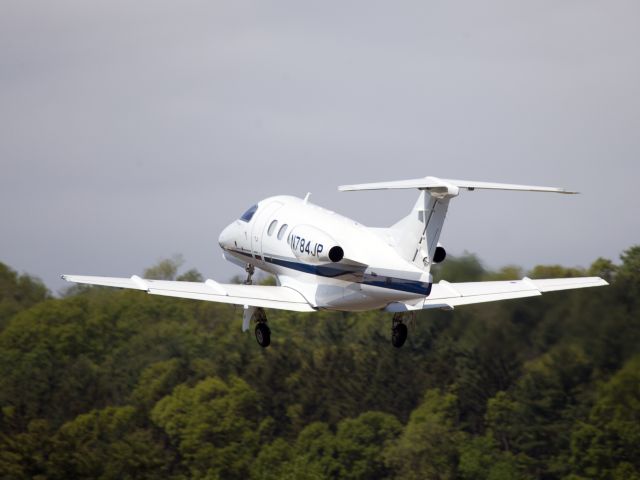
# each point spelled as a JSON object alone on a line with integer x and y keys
{"x": 250, "y": 269}
{"x": 262, "y": 331}
{"x": 399, "y": 329}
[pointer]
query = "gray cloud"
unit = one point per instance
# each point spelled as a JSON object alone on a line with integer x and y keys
{"x": 131, "y": 131}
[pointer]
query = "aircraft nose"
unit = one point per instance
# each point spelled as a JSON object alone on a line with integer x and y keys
{"x": 225, "y": 239}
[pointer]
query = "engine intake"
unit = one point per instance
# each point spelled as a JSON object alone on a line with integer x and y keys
{"x": 440, "y": 254}
{"x": 336, "y": 254}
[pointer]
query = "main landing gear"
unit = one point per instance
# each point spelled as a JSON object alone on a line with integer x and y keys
{"x": 258, "y": 316}
{"x": 399, "y": 328}
{"x": 262, "y": 331}
{"x": 263, "y": 335}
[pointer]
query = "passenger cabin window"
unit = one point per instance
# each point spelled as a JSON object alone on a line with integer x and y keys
{"x": 272, "y": 227}
{"x": 248, "y": 215}
{"x": 282, "y": 231}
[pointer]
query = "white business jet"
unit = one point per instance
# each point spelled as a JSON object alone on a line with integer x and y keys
{"x": 324, "y": 261}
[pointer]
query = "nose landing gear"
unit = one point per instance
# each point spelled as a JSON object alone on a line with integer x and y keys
{"x": 399, "y": 328}
{"x": 250, "y": 269}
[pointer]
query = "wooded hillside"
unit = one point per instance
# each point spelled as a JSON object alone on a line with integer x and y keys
{"x": 105, "y": 383}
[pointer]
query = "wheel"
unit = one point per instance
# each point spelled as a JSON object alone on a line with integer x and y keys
{"x": 263, "y": 335}
{"x": 398, "y": 335}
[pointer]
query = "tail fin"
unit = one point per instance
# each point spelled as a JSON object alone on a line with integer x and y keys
{"x": 416, "y": 235}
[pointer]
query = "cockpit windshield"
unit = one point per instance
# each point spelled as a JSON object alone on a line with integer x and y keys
{"x": 248, "y": 215}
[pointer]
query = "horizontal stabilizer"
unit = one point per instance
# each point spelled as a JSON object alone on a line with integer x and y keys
{"x": 434, "y": 183}
{"x": 266, "y": 296}
{"x": 447, "y": 295}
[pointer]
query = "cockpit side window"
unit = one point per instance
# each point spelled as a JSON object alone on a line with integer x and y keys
{"x": 248, "y": 215}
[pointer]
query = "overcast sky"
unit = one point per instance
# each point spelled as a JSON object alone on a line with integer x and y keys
{"x": 130, "y": 131}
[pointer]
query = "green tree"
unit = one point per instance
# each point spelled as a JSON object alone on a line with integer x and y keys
{"x": 107, "y": 444}
{"x": 156, "y": 381}
{"x": 509, "y": 272}
{"x": 191, "y": 275}
{"x": 428, "y": 446}
{"x": 353, "y": 452}
{"x": 316, "y": 451}
{"x": 214, "y": 425}
{"x": 555, "y": 271}
{"x": 165, "y": 269}
{"x": 464, "y": 268}
{"x": 607, "y": 444}
{"x": 482, "y": 459}
{"x": 360, "y": 443}
{"x": 534, "y": 419}
{"x": 603, "y": 267}
{"x": 18, "y": 292}
{"x": 628, "y": 276}
{"x": 24, "y": 454}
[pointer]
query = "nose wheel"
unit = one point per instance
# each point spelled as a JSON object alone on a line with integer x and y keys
{"x": 399, "y": 329}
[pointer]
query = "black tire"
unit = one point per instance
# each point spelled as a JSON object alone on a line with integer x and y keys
{"x": 263, "y": 335}
{"x": 399, "y": 335}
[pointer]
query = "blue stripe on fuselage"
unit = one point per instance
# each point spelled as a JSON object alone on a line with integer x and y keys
{"x": 402, "y": 284}
{"x": 333, "y": 271}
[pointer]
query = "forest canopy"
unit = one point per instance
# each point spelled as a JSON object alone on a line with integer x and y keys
{"x": 105, "y": 383}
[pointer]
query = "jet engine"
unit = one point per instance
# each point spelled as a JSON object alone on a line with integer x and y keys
{"x": 440, "y": 254}
{"x": 312, "y": 245}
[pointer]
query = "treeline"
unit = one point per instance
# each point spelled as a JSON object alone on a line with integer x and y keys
{"x": 105, "y": 383}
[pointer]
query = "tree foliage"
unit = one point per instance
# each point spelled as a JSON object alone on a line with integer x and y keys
{"x": 18, "y": 292}
{"x": 108, "y": 384}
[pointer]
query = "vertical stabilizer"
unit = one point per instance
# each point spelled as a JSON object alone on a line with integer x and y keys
{"x": 416, "y": 235}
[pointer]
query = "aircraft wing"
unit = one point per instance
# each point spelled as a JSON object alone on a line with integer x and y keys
{"x": 284, "y": 298}
{"x": 447, "y": 295}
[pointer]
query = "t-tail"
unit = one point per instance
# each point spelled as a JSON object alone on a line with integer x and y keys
{"x": 416, "y": 235}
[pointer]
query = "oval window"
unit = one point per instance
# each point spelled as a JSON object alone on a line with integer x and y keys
{"x": 272, "y": 227}
{"x": 282, "y": 231}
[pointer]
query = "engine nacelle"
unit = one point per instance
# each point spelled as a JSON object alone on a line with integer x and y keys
{"x": 440, "y": 254}
{"x": 312, "y": 245}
